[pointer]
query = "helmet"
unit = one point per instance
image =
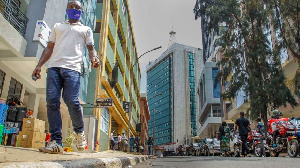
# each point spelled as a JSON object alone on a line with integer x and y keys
{"x": 277, "y": 113}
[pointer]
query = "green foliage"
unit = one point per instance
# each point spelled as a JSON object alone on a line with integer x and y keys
{"x": 250, "y": 62}
{"x": 287, "y": 23}
{"x": 68, "y": 141}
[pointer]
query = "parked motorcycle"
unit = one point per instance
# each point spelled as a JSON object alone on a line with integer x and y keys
{"x": 285, "y": 138}
{"x": 237, "y": 145}
{"x": 253, "y": 137}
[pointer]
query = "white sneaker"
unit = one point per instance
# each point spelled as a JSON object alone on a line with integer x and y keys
{"x": 52, "y": 148}
{"x": 80, "y": 141}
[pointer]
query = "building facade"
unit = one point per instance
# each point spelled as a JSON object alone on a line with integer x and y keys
{"x": 171, "y": 93}
{"x": 144, "y": 117}
{"x": 119, "y": 75}
{"x": 209, "y": 101}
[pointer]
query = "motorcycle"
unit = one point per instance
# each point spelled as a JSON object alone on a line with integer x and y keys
{"x": 285, "y": 138}
{"x": 253, "y": 137}
{"x": 237, "y": 145}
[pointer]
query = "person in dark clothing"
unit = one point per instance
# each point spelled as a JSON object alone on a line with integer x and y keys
{"x": 150, "y": 143}
{"x": 244, "y": 129}
{"x": 137, "y": 142}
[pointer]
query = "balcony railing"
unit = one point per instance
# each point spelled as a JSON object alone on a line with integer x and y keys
{"x": 13, "y": 14}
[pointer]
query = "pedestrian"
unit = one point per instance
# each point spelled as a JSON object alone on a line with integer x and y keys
{"x": 64, "y": 51}
{"x": 47, "y": 139}
{"x": 137, "y": 142}
{"x": 150, "y": 143}
{"x": 244, "y": 129}
{"x": 131, "y": 141}
{"x": 123, "y": 141}
{"x": 224, "y": 138}
{"x": 260, "y": 128}
{"x": 119, "y": 141}
{"x": 112, "y": 140}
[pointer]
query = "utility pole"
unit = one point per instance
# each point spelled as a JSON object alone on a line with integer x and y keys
{"x": 130, "y": 84}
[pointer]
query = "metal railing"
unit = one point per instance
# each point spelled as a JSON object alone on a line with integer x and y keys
{"x": 13, "y": 14}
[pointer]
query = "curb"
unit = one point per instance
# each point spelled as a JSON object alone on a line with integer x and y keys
{"x": 119, "y": 162}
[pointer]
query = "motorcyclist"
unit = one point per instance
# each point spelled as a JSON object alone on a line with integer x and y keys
{"x": 276, "y": 114}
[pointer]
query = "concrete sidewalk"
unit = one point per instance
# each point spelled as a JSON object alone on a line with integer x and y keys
{"x": 26, "y": 157}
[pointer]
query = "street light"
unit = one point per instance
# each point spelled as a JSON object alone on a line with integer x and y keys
{"x": 159, "y": 94}
{"x": 130, "y": 83}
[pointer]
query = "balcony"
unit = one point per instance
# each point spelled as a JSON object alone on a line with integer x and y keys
{"x": 121, "y": 54}
{"x": 109, "y": 55}
{"x": 123, "y": 19}
{"x": 129, "y": 41}
{"x": 210, "y": 127}
{"x": 112, "y": 27}
{"x": 127, "y": 74}
{"x": 120, "y": 81}
{"x": 134, "y": 115}
{"x": 126, "y": 94}
{"x": 13, "y": 14}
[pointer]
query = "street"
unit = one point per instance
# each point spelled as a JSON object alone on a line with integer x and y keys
{"x": 219, "y": 162}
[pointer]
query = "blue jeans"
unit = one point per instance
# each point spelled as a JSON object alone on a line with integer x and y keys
{"x": 149, "y": 149}
{"x": 59, "y": 79}
{"x": 131, "y": 147}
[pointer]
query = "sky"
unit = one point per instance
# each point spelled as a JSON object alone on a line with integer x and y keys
{"x": 152, "y": 21}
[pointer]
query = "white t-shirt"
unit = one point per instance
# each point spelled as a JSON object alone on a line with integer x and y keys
{"x": 70, "y": 42}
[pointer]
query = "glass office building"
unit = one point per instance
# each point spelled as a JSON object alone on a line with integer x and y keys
{"x": 172, "y": 97}
{"x": 159, "y": 82}
{"x": 193, "y": 105}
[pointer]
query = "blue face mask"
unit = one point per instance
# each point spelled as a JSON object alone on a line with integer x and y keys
{"x": 74, "y": 14}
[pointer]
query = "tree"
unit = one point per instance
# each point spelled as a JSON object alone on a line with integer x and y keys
{"x": 286, "y": 21}
{"x": 249, "y": 62}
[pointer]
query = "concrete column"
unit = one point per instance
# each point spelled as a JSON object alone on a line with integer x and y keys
{"x": 6, "y": 86}
{"x": 91, "y": 135}
{"x": 120, "y": 129}
{"x": 110, "y": 125}
{"x": 33, "y": 103}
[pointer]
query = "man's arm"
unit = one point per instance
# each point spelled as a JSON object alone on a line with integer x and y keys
{"x": 93, "y": 56}
{"x": 44, "y": 58}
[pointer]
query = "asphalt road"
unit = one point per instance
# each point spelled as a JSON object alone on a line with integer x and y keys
{"x": 220, "y": 162}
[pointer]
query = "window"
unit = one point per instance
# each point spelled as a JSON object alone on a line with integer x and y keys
{"x": 2, "y": 78}
{"x": 216, "y": 90}
{"x": 15, "y": 89}
{"x": 217, "y": 111}
{"x": 105, "y": 120}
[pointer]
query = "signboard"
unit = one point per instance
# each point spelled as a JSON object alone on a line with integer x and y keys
{"x": 41, "y": 32}
{"x": 104, "y": 102}
{"x": 126, "y": 106}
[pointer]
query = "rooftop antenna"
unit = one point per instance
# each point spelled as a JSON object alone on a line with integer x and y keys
{"x": 172, "y": 38}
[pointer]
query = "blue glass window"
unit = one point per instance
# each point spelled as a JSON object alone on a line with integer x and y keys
{"x": 216, "y": 90}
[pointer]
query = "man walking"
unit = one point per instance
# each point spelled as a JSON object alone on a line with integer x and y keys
{"x": 131, "y": 141}
{"x": 244, "y": 129}
{"x": 150, "y": 143}
{"x": 123, "y": 142}
{"x": 137, "y": 142}
{"x": 112, "y": 140}
{"x": 119, "y": 141}
{"x": 65, "y": 50}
